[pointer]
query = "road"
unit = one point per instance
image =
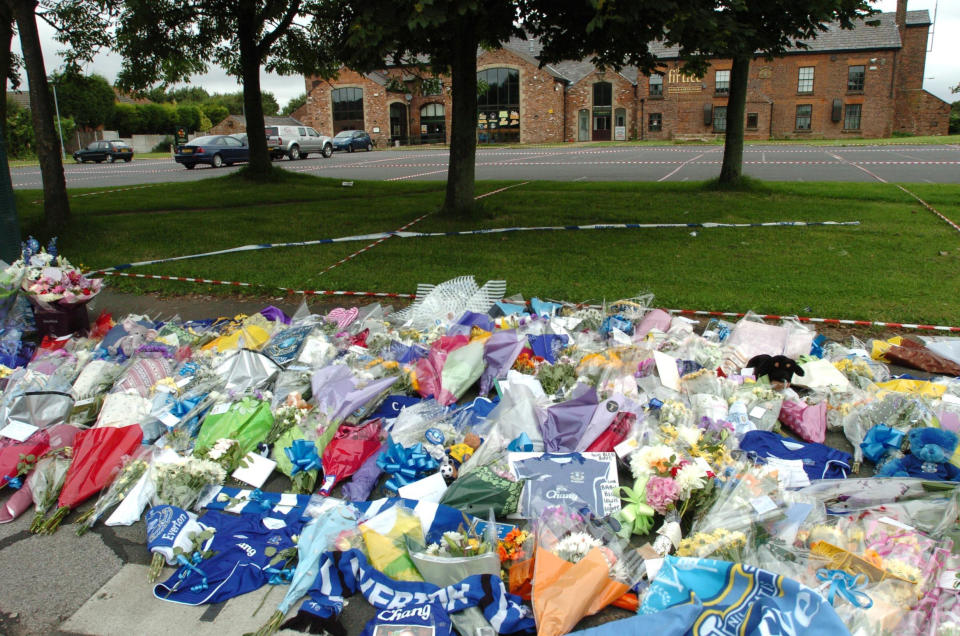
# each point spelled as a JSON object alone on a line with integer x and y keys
{"x": 903, "y": 163}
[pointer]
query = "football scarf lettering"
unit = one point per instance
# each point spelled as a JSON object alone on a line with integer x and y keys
{"x": 344, "y": 573}
{"x": 737, "y": 599}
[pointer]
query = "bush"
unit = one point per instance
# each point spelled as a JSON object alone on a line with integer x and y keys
{"x": 19, "y": 131}
{"x": 163, "y": 146}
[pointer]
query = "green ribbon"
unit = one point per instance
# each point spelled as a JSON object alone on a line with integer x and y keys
{"x": 636, "y": 517}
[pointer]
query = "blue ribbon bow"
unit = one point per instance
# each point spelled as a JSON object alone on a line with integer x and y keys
{"x": 14, "y": 482}
{"x": 880, "y": 440}
{"x": 261, "y": 499}
{"x": 522, "y": 443}
{"x": 303, "y": 455}
{"x": 406, "y": 465}
{"x": 847, "y": 585}
{"x": 190, "y": 565}
{"x": 279, "y": 576}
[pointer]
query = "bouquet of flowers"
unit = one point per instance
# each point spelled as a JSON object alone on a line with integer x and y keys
{"x": 580, "y": 567}
{"x": 227, "y": 453}
{"x": 131, "y": 472}
{"x": 180, "y": 483}
{"x": 98, "y": 454}
{"x": 50, "y": 278}
{"x": 45, "y": 482}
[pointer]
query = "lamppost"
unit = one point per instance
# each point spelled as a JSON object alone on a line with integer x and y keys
{"x": 56, "y": 106}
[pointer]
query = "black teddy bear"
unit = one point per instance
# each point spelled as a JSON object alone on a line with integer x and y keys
{"x": 777, "y": 368}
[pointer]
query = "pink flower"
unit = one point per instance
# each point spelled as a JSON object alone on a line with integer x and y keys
{"x": 661, "y": 493}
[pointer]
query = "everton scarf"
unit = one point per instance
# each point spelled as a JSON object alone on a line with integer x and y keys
{"x": 344, "y": 573}
{"x": 435, "y": 518}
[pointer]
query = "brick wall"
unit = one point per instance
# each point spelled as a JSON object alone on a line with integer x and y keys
{"x": 318, "y": 112}
{"x": 579, "y": 97}
{"x": 777, "y": 82}
{"x": 229, "y": 126}
{"x": 920, "y": 113}
{"x": 541, "y": 97}
{"x": 891, "y": 99}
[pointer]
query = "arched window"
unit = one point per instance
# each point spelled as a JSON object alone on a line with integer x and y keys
{"x": 347, "y": 109}
{"x": 433, "y": 124}
{"x": 498, "y": 104}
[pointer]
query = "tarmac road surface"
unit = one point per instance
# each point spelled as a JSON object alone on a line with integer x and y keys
{"x": 900, "y": 163}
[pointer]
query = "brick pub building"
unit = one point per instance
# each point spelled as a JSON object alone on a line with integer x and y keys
{"x": 865, "y": 82}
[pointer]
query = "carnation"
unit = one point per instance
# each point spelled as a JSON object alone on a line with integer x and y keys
{"x": 691, "y": 477}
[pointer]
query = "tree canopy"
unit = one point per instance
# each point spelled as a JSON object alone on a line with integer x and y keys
{"x": 88, "y": 99}
{"x": 294, "y": 104}
{"x": 171, "y": 40}
{"x": 447, "y": 35}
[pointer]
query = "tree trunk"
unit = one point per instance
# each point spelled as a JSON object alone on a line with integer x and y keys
{"x": 732, "y": 168}
{"x": 9, "y": 226}
{"x": 56, "y": 206}
{"x": 463, "y": 135}
{"x": 6, "y": 41}
{"x": 260, "y": 165}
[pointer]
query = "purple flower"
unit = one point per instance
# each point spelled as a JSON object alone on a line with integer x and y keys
{"x": 661, "y": 493}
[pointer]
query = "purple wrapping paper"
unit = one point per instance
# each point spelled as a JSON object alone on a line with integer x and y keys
{"x": 499, "y": 354}
{"x": 473, "y": 319}
{"x": 272, "y": 313}
{"x": 603, "y": 416}
{"x": 335, "y": 394}
{"x": 562, "y": 425}
{"x": 364, "y": 480}
{"x": 654, "y": 319}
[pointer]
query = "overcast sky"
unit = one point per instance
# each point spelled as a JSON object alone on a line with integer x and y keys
{"x": 942, "y": 70}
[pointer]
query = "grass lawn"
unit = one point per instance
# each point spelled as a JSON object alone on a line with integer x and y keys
{"x": 901, "y": 264}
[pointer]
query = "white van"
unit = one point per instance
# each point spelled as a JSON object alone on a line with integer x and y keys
{"x": 297, "y": 142}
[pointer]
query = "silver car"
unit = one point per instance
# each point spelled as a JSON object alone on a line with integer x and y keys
{"x": 297, "y": 142}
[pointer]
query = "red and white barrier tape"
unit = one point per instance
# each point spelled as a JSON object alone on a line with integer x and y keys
{"x": 233, "y": 283}
{"x": 825, "y": 321}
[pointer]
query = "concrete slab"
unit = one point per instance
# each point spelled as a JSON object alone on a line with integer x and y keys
{"x": 126, "y": 605}
{"x": 46, "y": 578}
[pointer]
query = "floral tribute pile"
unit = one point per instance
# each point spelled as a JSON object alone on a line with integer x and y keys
{"x": 494, "y": 465}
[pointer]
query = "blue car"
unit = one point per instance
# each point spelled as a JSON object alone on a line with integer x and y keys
{"x": 351, "y": 140}
{"x": 214, "y": 150}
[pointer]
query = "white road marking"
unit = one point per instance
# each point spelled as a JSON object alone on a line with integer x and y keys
{"x": 677, "y": 169}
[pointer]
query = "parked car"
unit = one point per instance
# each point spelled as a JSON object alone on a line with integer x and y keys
{"x": 215, "y": 150}
{"x": 101, "y": 151}
{"x": 297, "y": 142}
{"x": 272, "y": 146}
{"x": 351, "y": 140}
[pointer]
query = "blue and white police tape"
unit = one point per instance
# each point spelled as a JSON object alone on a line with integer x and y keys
{"x": 545, "y": 228}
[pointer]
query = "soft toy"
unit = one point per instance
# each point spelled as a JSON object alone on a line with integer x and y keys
{"x": 137, "y": 335}
{"x": 777, "y": 368}
{"x": 930, "y": 452}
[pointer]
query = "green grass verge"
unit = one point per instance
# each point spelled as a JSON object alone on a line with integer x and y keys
{"x": 900, "y": 264}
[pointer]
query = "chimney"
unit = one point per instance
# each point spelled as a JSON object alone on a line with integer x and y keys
{"x": 901, "y": 18}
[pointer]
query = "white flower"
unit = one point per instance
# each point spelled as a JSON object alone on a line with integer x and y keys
{"x": 220, "y": 448}
{"x": 689, "y": 434}
{"x": 691, "y": 477}
{"x": 575, "y": 546}
{"x": 642, "y": 460}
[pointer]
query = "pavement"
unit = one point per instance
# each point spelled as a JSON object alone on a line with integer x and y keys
{"x": 900, "y": 163}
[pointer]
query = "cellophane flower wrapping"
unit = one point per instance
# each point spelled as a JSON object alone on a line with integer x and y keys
{"x": 580, "y": 567}
{"x": 180, "y": 481}
{"x": 46, "y": 480}
{"x": 48, "y": 279}
{"x": 385, "y": 539}
{"x": 460, "y": 554}
{"x": 134, "y": 467}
